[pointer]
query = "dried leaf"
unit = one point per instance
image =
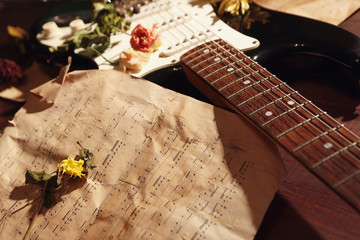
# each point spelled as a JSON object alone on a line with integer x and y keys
{"x": 86, "y": 155}
{"x": 34, "y": 176}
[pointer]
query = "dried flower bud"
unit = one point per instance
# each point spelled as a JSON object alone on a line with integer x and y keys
{"x": 10, "y": 72}
{"x": 145, "y": 40}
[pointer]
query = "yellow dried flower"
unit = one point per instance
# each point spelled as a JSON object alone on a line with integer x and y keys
{"x": 16, "y": 32}
{"x": 232, "y": 6}
{"x": 72, "y": 167}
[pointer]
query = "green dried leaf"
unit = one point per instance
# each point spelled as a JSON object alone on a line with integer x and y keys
{"x": 32, "y": 176}
{"x": 86, "y": 155}
{"x": 95, "y": 39}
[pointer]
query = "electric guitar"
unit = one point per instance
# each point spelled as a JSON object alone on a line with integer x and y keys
{"x": 211, "y": 54}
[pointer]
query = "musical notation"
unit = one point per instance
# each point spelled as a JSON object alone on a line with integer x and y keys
{"x": 161, "y": 171}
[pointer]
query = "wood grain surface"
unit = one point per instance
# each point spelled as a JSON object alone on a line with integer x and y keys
{"x": 303, "y": 208}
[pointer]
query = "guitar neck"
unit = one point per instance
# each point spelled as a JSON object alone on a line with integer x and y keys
{"x": 232, "y": 79}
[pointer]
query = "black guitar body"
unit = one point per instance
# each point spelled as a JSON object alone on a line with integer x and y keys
{"x": 312, "y": 56}
{"x": 295, "y": 47}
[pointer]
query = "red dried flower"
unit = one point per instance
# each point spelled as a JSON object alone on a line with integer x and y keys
{"x": 143, "y": 39}
{"x": 10, "y": 72}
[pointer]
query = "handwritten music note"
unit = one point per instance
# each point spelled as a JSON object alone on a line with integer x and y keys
{"x": 167, "y": 165}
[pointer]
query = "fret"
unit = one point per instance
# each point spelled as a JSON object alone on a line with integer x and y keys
{"x": 260, "y": 94}
{"x": 190, "y": 55}
{"x": 204, "y": 61}
{"x": 317, "y": 140}
{"x": 242, "y": 78}
{"x": 196, "y": 52}
{"x": 233, "y": 82}
{"x": 226, "y": 75}
{"x": 323, "y": 123}
{"x": 273, "y": 102}
{"x": 208, "y": 65}
{"x": 300, "y": 124}
{"x": 285, "y": 113}
{"x": 207, "y": 59}
{"x": 205, "y": 73}
{"x": 216, "y": 71}
{"x": 245, "y": 88}
{"x": 229, "y": 70}
{"x": 339, "y": 167}
{"x": 242, "y": 72}
{"x": 345, "y": 180}
{"x": 318, "y": 137}
{"x": 347, "y": 134}
{"x": 334, "y": 154}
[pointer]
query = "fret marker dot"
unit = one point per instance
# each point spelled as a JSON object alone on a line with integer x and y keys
{"x": 230, "y": 69}
{"x": 291, "y": 102}
{"x": 206, "y": 51}
{"x": 268, "y": 113}
{"x": 328, "y": 145}
{"x": 217, "y": 59}
{"x": 246, "y": 81}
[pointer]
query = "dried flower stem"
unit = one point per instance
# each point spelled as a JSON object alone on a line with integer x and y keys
{"x": 100, "y": 54}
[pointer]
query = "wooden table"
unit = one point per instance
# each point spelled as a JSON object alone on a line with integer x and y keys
{"x": 303, "y": 208}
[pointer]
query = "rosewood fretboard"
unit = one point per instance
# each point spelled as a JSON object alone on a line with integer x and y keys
{"x": 318, "y": 141}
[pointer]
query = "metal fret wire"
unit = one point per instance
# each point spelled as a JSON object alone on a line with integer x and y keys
{"x": 286, "y": 112}
{"x": 213, "y": 56}
{"x": 270, "y": 103}
{"x": 245, "y": 88}
{"x": 238, "y": 80}
{"x": 338, "y": 152}
{"x": 277, "y": 99}
{"x": 300, "y": 124}
{"x": 314, "y": 117}
{"x": 318, "y": 137}
{"x": 217, "y": 70}
{"x": 345, "y": 180}
{"x": 268, "y": 90}
{"x": 334, "y": 154}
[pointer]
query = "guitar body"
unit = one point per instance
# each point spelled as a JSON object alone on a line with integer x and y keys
{"x": 291, "y": 45}
{"x": 181, "y": 25}
{"x": 304, "y": 208}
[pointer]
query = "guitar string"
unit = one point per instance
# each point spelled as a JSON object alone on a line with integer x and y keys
{"x": 286, "y": 105}
{"x": 256, "y": 81}
{"x": 321, "y": 131}
{"x": 277, "y": 97}
{"x": 271, "y": 100}
{"x": 311, "y": 112}
{"x": 339, "y": 143}
{"x": 180, "y": 21}
{"x": 170, "y": 15}
{"x": 340, "y": 180}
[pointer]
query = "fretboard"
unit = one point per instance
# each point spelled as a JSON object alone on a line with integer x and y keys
{"x": 318, "y": 141}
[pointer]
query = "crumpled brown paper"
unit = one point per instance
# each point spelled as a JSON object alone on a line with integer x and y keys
{"x": 330, "y": 11}
{"x": 168, "y": 166}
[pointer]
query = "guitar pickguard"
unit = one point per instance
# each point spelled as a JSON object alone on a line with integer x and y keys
{"x": 181, "y": 25}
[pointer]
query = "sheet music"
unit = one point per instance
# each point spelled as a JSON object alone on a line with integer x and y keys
{"x": 330, "y": 11}
{"x": 168, "y": 166}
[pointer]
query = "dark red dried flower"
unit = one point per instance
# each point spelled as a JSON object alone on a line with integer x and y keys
{"x": 10, "y": 72}
{"x": 143, "y": 39}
